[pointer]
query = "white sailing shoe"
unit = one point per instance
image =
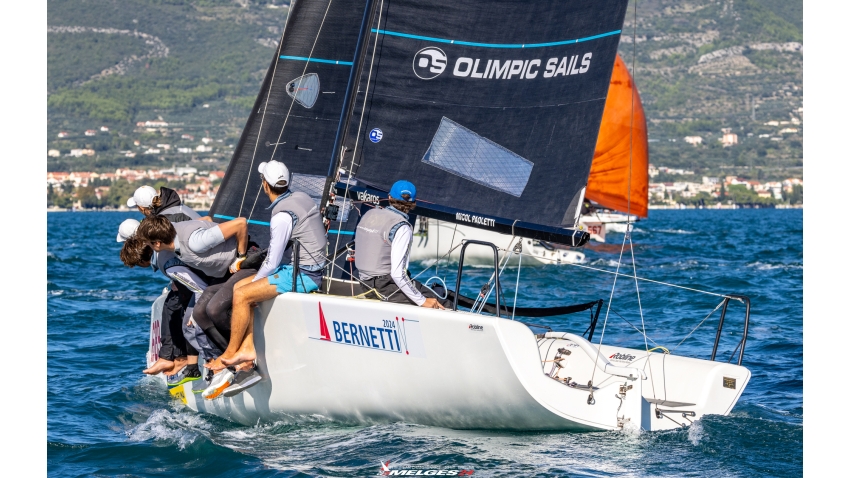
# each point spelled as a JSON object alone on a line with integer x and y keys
{"x": 219, "y": 382}
{"x": 243, "y": 380}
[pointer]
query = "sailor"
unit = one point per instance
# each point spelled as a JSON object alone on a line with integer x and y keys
{"x": 166, "y": 203}
{"x": 214, "y": 249}
{"x": 127, "y": 229}
{"x": 178, "y": 356}
{"x": 382, "y": 250}
{"x": 294, "y": 217}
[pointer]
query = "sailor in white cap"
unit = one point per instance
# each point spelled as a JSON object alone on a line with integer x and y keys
{"x": 294, "y": 217}
{"x": 127, "y": 229}
{"x": 166, "y": 203}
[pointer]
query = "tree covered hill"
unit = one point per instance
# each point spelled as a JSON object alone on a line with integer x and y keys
{"x": 700, "y": 66}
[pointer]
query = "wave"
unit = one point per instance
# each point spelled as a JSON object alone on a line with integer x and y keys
{"x": 181, "y": 428}
{"x": 673, "y": 231}
{"x": 762, "y": 266}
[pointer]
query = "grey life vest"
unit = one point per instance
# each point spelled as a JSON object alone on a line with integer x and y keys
{"x": 373, "y": 244}
{"x": 214, "y": 262}
{"x": 307, "y": 227}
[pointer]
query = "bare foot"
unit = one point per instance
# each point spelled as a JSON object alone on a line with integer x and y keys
{"x": 242, "y": 356}
{"x": 179, "y": 363}
{"x": 160, "y": 365}
{"x": 215, "y": 365}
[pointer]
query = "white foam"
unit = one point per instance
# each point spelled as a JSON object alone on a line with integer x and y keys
{"x": 696, "y": 433}
{"x": 181, "y": 428}
{"x": 674, "y": 231}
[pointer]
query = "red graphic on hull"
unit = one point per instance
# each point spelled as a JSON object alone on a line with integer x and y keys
{"x": 326, "y": 335}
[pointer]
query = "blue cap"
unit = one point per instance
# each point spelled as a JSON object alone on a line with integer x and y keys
{"x": 400, "y": 188}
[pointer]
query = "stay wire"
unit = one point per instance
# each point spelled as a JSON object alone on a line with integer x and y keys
{"x": 263, "y": 117}
{"x": 360, "y": 124}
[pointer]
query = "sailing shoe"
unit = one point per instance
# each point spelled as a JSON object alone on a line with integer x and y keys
{"x": 243, "y": 380}
{"x": 185, "y": 374}
{"x": 219, "y": 382}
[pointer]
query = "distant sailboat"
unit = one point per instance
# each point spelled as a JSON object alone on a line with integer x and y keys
{"x": 493, "y": 110}
{"x": 619, "y": 175}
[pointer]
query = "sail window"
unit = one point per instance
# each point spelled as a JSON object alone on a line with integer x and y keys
{"x": 304, "y": 89}
{"x": 462, "y": 152}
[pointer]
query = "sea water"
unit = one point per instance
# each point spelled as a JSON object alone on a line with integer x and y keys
{"x": 106, "y": 418}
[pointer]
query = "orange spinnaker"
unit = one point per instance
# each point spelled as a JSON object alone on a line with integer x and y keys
{"x": 608, "y": 183}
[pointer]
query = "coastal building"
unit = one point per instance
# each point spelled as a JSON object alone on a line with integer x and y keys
{"x": 203, "y": 149}
{"x": 104, "y": 129}
{"x": 90, "y": 132}
{"x": 63, "y": 134}
{"x": 187, "y": 136}
{"x": 53, "y": 153}
{"x": 77, "y": 153}
{"x": 694, "y": 140}
{"x": 788, "y": 130}
{"x": 653, "y": 171}
{"x": 729, "y": 138}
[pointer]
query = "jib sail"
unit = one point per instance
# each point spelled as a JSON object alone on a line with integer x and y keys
{"x": 492, "y": 108}
{"x": 296, "y": 115}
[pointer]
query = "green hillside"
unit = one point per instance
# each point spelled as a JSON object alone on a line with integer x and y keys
{"x": 700, "y": 66}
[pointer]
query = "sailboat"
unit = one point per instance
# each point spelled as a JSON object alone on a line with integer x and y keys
{"x": 496, "y": 123}
{"x": 618, "y": 185}
{"x": 618, "y": 188}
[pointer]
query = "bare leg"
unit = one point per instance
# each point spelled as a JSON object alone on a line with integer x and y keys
{"x": 179, "y": 363}
{"x": 241, "y": 346}
{"x": 237, "y": 227}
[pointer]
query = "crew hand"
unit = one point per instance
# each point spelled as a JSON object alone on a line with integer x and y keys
{"x": 236, "y": 264}
{"x": 432, "y": 303}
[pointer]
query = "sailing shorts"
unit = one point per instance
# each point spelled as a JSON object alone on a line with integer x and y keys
{"x": 282, "y": 279}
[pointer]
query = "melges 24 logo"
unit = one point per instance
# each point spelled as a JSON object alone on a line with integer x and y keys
{"x": 429, "y": 62}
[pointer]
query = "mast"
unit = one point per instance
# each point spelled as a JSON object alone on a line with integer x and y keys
{"x": 348, "y": 100}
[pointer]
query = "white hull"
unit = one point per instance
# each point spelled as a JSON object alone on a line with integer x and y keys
{"x": 457, "y": 370}
{"x": 443, "y": 236}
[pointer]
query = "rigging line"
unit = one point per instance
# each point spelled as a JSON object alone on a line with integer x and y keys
{"x": 639, "y": 278}
{"x": 636, "y": 329}
{"x": 362, "y": 111}
{"x": 263, "y": 117}
{"x": 629, "y": 207}
{"x": 255, "y": 202}
{"x": 698, "y": 326}
{"x": 516, "y": 290}
{"x": 608, "y": 311}
{"x": 303, "y": 72}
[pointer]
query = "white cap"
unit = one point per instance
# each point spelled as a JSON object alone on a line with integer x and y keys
{"x": 127, "y": 229}
{"x": 275, "y": 173}
{"x": 142, "y": 197}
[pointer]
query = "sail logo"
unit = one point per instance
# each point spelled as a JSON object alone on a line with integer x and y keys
{"x": 375, "y": 135}
{"x": 396, "y": 334}
{"x": 521, "y": 69}
{"x": 368, "y": 197}
{"x": 429, "y": 63}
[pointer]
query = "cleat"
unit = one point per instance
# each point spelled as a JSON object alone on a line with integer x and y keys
{"x": 219, "y": 382}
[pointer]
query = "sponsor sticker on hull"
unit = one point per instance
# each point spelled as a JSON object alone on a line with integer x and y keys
{"x": 392, "y": 334}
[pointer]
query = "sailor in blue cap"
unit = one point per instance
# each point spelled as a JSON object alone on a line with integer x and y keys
{"x": 382, "y": 250}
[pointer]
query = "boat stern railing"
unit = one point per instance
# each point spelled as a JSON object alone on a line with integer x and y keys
{"x": 746, "y": 301}
{"x": 498, "y": 287}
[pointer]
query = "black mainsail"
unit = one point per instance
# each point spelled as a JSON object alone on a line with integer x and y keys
{"x": 492, "y": 108}
{"x": 296, "y": 115}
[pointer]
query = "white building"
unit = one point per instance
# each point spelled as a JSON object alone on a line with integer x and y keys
{"x": 694, "y": 140}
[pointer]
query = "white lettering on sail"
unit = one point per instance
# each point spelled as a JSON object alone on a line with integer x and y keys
{"x": 471, "y": 218}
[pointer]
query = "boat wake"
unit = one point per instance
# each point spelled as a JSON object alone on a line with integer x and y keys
{"x": 181, "y": 428}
